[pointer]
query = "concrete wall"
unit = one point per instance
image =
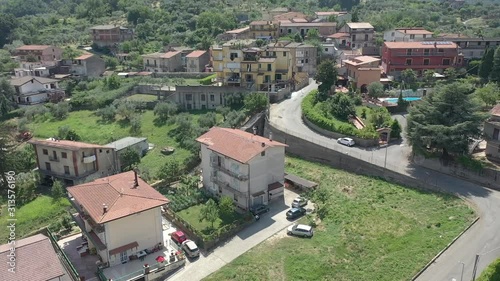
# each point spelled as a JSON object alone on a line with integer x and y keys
{"x": 334, "y": 135}
{"x": 186, "y": 75}
{"x": 266, "y": 169}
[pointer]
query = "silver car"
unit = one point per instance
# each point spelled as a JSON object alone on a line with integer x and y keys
{"x": 190, "y": 249}
{"x": 301, "y": 230}
{"x": 299, "y": 202}
{"x": 346, "y": 141}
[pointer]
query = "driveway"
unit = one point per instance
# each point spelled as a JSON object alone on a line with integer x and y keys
{"x": 480, "y": 239}
{"x": 268, "y": 224}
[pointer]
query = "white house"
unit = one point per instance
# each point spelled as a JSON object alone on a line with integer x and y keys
{"x": 120, "y": 215}
{"x": 34, "y": 90}
{"x": 248, "y": 168}
{"x": 407, "y": 35}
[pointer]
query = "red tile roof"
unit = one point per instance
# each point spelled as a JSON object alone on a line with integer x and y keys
{"x": 36, "y": 260}
{"x": 33, "y": 47}
{"x": 117, "y": 192}
{"x": 236, "y": 144}
{"x": 495, "y": 111}
{"x": 416, "y": 45}
{"x": 65, "y": 144}
{"x": 414, "y": 30}
{"x": 84, "y": 57}
{"x": 239, "y": 30}
{"x": 262, "y": 22}
{"x": 196, "y": 54}
{"x": 339, "y": 35}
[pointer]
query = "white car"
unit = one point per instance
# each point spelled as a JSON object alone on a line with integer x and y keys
{"x": 299, "y": 202}
{"x": 300, "y": 230}
{"x": 346, "y": 141}
{"x": 190, "y": 249}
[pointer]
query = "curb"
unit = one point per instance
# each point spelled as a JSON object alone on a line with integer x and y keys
{"x": 443, "y": 250}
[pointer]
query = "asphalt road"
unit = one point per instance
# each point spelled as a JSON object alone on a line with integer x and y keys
{"x": 480, "y": 239}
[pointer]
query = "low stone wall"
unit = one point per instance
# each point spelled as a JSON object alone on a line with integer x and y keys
{"x": 335, "y": 135}
{"x": 186, "y": 75}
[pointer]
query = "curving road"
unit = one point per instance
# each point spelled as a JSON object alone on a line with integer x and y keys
{"x": 459, "y": 259}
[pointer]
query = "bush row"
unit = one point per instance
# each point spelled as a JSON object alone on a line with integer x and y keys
{"x": 314, "y": 115}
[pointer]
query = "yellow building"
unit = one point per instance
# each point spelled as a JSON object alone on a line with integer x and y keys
{"x": 264, "y": 29}
{"x": 242, "y": 64}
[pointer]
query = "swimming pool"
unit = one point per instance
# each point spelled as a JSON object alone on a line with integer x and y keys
{"x": 395, "y": 100}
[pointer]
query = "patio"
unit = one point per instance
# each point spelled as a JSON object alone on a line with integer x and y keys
{"x": 85, "y": 266}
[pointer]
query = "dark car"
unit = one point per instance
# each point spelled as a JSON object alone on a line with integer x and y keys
{"x": 259, "y": 209}
{"x": 295, "y": 213}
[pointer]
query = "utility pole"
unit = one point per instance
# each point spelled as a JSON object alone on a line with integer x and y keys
{"x": 475, "y": 267}
{"x": 385, "y": 160}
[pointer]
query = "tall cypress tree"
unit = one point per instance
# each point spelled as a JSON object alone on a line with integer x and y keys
{"x": 495, "y": 71}
{"x": 486, "y": 63}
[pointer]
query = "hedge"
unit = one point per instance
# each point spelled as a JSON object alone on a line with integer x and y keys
{"x": 491, "y": 273}
{"x": 313, "y": 113}
{"x": 207, "y": 80}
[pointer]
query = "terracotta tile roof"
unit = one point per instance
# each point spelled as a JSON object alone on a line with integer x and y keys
{"x": 416, "y": 45}
{"x": 117, "y": 192}
{"x": 361, "y": 60}
{"x": 33, "y": 47}
{"x": 170, "y": 54}
{"x": 290, "y": 15}
{"x": 236, "y": 144}
{"x": 23, "y": 80}
{"x": 308, "y": 24}
{"x": 495, "y": 111}
{"x": 65, "y": 144}
{"x": 339, "y": 35}
{"x": 239, "y": 30}
{"x": 262, "y": 22}
{"x": 359, "y": 25}
{"x": 36, "y": 260}
{"x": 196, "y": 54}
{"x": 330, "y": 13}
{"x": 414, "y": 30}
{"x": 84, "y": 56}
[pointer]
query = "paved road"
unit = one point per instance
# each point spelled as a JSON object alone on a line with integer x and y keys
{"x": 268, "y": 225}
{"x": 480, "y": 239}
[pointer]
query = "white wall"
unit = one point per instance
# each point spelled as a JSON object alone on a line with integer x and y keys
{"x": 144, "y": 227}
{"x": 267, "y": 169}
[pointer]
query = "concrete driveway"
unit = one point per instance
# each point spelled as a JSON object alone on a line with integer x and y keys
{"x": 269, "y": 224}
{"x": 481, "y": 239}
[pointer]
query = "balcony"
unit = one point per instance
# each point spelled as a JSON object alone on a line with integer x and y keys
{"x": 53, "y": 159}
{"x": 89, "y": 159}
{"x": 233, "y": 80}
{"x": 65, "y": 176}
{"x": 223, "y": 169}
{"x": 224, "y": 185}
{"x": 420, "y": 54}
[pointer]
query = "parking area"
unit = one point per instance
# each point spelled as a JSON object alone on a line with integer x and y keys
{"x": 86, "y": 266}
{"x": 269, "y": 224}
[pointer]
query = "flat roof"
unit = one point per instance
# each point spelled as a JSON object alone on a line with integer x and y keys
{"x": 239, "y": 30}
{"x": 300, "y": 181}
{"x": 125, "y": 142}
{"x": 359, "y": 25}
{"x": 416, "y": 45}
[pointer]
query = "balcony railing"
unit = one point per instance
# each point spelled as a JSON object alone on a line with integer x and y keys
{"x": 223, "y": 169}
{"x": 224, "y": 185}
{"x": 420, "y": 54}
{"x": 233, "y": 80}
{"x": 89, "y": 159}
{"x": 66, "y": 176}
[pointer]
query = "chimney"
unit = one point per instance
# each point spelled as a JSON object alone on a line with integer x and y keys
{"x": 270, "y": 136}
{"x": 263, "y": 144}
{"x": 146, "y": 269}
{"x": 136, "y": 181}
{"x": 104, "y": 208}
{"x": 254, "y": 130}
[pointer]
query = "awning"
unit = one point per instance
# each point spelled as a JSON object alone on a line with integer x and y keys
{"x": 274, "y": 185}
{"x": 300, "y": 181}
{"x": 160, "y": 259}
{"x": 124, "y": 248}
{"x": 258, "y": 193}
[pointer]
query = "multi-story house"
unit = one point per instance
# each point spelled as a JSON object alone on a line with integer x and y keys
{"x": 492, "y": 134}
{"x": 264, "y": 29}
{"x": 85, "y": 65}
{"x": 184, "y": 52}
{"x": 340, "y": 17}
{"x": 120, "y": 216}
{"x": 305, "y": 57}
{"x": 242, "y": 64}
{"x": 362, "y": 71}
{"x": 73, "y": 162}
{"x": 342, "y": 40}
{"x": 240, "y": 33}
{"x": 407, "y": 35}
{"x": 35, "y": 260}
{"x": 472, "y": 48}
{"x": 32, "y": 56}
{"x": 110, "y": 35}
{"x": 32, "y": 90}
{"x": 360, "y": 33}
{"x": 324, "y": 28}
{"x": 163, "y": 62}
{"x": 246, "y": 167}
{"x": 197, "y": 61}
{"x": 420, "y": 56}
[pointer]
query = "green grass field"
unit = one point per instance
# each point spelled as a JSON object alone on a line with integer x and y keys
{"x": 192, "y": 214}
{"x": 373, "y": 230}
{"x": 142, "y": 97}
{"x": 92, "y": 130}
{"x": 39, "y": 213}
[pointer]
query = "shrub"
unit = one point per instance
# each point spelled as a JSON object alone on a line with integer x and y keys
{"x": 207, "y": 80}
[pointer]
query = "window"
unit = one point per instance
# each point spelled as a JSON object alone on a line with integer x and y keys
{"x": 65, "y": 155}
{"x": 426, "y": 52}
{"x": 263, "y": 153}
{"x": 269, "y": 67}
{"x": 496, "y": 133}
{"x": 392, "y": 34}
{"x": 479, "y": 43}
{"x": 426, "y": 61}
{"x": 45, "y": 152}
{"x": 212, "y": 97}
{"x": 47, "y": 166}
{"x": 408, "y": 52}
{"x": 66, "y": 170}
{"x": 189, "y": 97}
{"x": 233, "y": 56}
{"x": 408, "y": 61}
{"x": 189, "y": 106}
{"x": 412, "y": 36}
{"x": 440, "y": 50}
{"x": 326, "y": 49}
{"x": 235, "y": 198}
{"x": 284, "y": 54}
{"x": 274, "y": 54}
{"x": 354, "y": 37}
{"x": 424, "y": 36}
{"x": 307, "y": 60}
{"x": 202, "y": 97}
{"x": 446, "y": 61}
{"x": 366, "y": 37}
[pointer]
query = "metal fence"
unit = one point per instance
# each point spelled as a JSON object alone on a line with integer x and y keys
{"x": 63, "y": 258}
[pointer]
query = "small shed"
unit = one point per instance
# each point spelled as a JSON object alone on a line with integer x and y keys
{"x": 293, "y": 181}
{"x": 138, "y": 144}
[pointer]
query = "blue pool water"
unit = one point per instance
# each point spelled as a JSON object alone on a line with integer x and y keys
{"x": 395, "y": 100}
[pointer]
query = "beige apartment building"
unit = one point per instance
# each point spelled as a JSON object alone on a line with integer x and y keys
{"x": 163, "y": 62}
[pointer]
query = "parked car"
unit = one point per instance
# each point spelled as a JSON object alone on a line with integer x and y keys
{"x": 299, "y": 202}
{"x": 346, "y": 141}
{"x": 295, "y": 213}
{"x": 178, "y": 237}
{"x": 190, "y": 249}
{"x": 259, "y": 209}
{"x": 301, "y": 230}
